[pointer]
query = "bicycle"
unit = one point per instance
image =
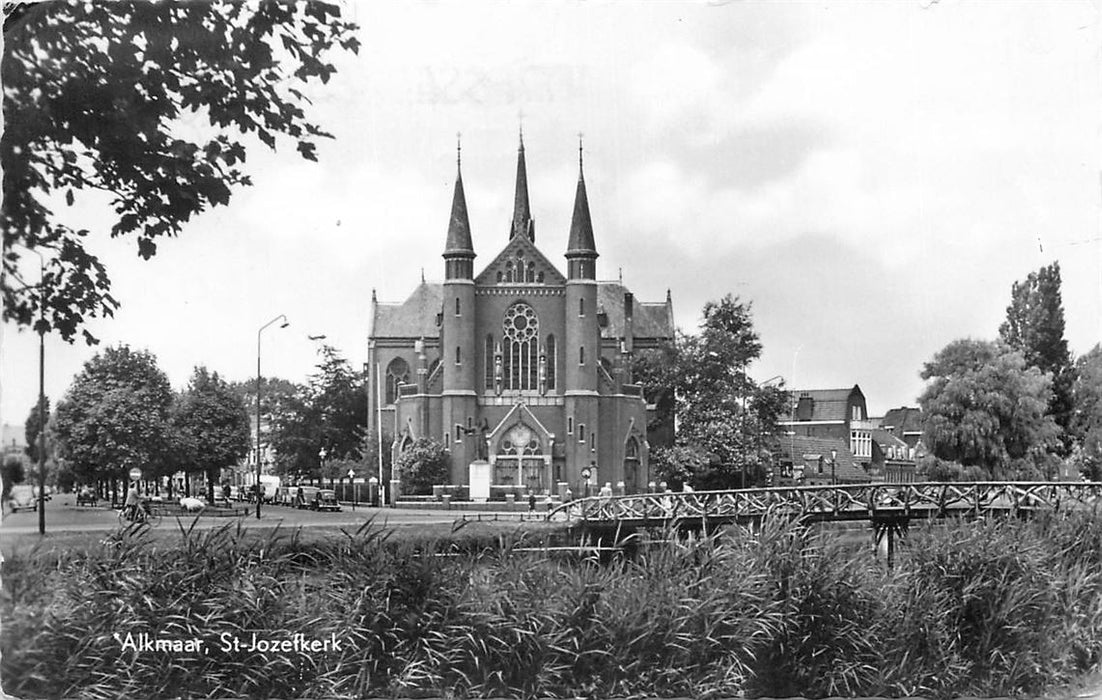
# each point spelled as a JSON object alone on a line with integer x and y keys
{"x": 143, "y": 514}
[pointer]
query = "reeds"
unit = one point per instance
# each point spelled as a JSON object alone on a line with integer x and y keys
{"x": 1001, "y": 607}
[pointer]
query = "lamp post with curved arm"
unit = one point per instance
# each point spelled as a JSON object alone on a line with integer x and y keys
{"x": 41, "y": 327}
{"x": 259, "y": 490}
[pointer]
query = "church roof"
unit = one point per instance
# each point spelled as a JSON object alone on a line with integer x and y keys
{"x": 649, "y": 320}
{"x": 459, "y": 226}
{"x": 416, "y": 316}
{"x": 413, "y": 318}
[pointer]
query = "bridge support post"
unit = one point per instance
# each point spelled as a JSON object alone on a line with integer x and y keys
{"x": 884, "y": 536}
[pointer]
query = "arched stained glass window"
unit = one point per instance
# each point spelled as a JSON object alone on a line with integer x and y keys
{"x": 397, "y": 372}
{"x": 521, "y": 331}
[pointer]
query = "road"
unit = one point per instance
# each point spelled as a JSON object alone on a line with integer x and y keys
{"x": 63, "y": 516}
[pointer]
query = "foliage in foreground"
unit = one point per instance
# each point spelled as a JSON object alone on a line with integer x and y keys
{"x": 1001, "y": 607}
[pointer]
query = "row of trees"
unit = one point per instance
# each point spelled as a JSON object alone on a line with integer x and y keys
{"x": 120, "y": 412}
{"x": 1019, "y": 406}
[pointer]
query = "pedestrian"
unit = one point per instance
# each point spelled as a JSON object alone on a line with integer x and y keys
{"x": 531, "y": 501}
{"x": 568, "y": 496}
{"x": 133, "y": 501}
{"x": 548, "y": 502}
{"x": 606, "y": 490}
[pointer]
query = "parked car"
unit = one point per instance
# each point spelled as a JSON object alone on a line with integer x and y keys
{"x": 327, "y": 500}
{"x": 23, "y": 497}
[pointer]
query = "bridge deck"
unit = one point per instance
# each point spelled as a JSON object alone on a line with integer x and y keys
{"x": 871, "y": 502}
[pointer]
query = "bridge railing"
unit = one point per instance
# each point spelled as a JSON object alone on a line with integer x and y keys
{"x": 838, "y": 501}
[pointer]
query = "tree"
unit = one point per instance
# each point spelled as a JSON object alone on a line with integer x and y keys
{"x": 95, "y": 94}
{"x": 13, "y": 472}
{"x": 33, "y": 426}
{"x": 329, "y": 413}
{"x": 115, "y": 415}
{"x": 212, "y": 424}
{"x": 1035, "y": 327}
{"x": 726, "y": 421}
{"x": 425, "y": 464}
{"x": 1086, "y": 423}
{"x": 984, "y": 406}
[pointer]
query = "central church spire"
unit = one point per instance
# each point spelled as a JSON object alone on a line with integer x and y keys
{"x": 522, "y": 215}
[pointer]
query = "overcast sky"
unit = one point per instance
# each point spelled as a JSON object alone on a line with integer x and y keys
{"x": 873, "y": 178}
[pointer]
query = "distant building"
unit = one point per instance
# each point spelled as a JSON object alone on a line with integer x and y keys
{"x": 519, "y": 365}
{"x": 841, "y": 414}
{"x": 817, "y": 461}
{"x": 906, "y": 424}
{"x": 14, "y": 439}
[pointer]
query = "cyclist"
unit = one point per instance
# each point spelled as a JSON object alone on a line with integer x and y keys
{"x": 133, "y": 502}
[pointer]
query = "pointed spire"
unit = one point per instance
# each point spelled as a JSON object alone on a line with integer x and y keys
{"x": 459, "y": 227}
{"x": 581, "y": 227}
{"x": 522, "y": 214}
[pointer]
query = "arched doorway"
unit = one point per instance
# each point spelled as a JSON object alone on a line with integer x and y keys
{"x": 520, "y": 459}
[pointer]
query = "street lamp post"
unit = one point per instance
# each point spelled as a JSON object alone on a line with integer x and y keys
{"x": 41, "y": 327}
{"x": 259, "y": 492}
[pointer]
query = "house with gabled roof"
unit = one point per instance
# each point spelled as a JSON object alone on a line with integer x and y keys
{"x": 519, "y": 365}
{"x": 832, "y": 413}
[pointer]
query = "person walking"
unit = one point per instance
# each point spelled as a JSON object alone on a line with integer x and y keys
{"x": 531, "y": 501}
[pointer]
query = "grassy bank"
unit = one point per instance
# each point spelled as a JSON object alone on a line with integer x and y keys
{"x": 1003, "y": 607}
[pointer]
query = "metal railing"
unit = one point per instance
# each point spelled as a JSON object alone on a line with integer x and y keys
{"x": 844, "y": 502}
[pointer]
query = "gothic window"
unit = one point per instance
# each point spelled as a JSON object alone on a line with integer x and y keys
{"x": 509, "y": 271}
{"x": 521, "y": 330}
{"x": 539, "y": 276}
{"x": 397, "y": 372}
{"x": 520, "y": 441}
{"x": 551, "y": 362}
{"x": 581, "y": 306}
{"x": 581, "y": 432}
{"x": 581, "y": 355}
{"x": 531, "y": 276}
{"x": 457, "y": 313}
{"x": 458, "y": 356}
{"x": 499, "y": 276}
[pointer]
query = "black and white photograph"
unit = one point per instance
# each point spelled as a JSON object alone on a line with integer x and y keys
{"x": 561, "y": 349}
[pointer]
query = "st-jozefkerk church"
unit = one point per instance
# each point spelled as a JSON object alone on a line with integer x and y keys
{"x": 519, "y": 365}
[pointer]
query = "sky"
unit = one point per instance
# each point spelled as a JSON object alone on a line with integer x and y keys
{"x": 873, "y": 178}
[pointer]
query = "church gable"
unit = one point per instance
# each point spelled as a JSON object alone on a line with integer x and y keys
{"x": 520, "y": 262}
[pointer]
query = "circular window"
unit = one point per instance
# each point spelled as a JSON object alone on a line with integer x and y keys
{"x": 521, "y": 323}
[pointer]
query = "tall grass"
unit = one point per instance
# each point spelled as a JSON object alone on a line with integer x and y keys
{"x": 1001, "y": 607}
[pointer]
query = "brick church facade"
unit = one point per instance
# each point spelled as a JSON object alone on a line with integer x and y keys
{"x": 519, "y": 365}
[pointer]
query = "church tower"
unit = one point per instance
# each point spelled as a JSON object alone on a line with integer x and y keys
{"x": 583, "y": 337}
{"x": 457, "y": 334}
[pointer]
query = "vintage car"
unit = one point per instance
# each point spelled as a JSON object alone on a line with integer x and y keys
{"x": 327, "y": 500}
{"x": 86, "y": 496}
{"x": 23, "y": 497}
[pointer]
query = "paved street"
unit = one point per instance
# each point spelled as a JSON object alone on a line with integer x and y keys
{"x": 63, "y": 515}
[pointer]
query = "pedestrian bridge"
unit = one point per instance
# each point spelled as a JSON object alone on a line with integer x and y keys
{"x": 876, "y": 503}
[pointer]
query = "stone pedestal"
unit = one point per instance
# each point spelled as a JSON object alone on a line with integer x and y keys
{"x": 479, "y": 480}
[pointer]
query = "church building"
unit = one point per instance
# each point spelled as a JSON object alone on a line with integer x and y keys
{"x": 519, "y": 365}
